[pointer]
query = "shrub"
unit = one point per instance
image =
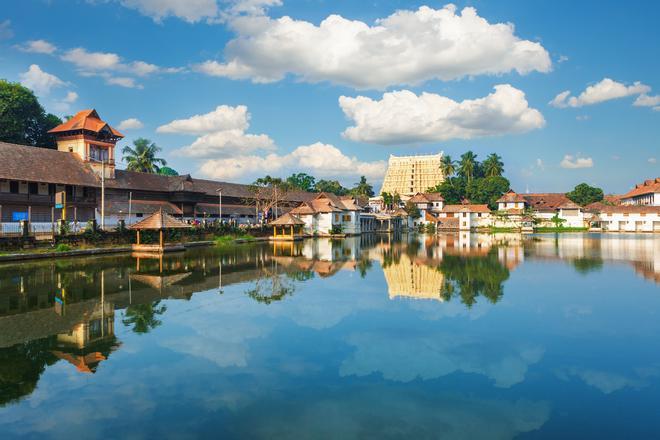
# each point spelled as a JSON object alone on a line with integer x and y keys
{"x": 62, "y": 247}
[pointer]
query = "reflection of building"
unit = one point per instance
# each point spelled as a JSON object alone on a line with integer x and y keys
{"x": 408, "y": 175}
{"x": 413, "y": 279}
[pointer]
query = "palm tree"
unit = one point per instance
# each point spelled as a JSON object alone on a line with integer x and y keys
{"x": 493, "y": 165}
{"x": 142, "y": 317}
{"x": 363, "y": 188}
{"x": 143, "y": 158}
{"x": 467, "y": 165}
{"x": 447, "y": 166}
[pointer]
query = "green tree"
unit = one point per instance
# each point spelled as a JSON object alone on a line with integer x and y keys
{"x": 467, "y": 166}
{"x": 412, "y": 210}
{"x": 330, "y": 186}
{"x": 387, "y": 199}
{"x": 584, "y": 194}
{"x": 487, "y": 190}
{"x": 453, "y": 190}
{"x": 302, "y": 181}
{"x": 143, "y": 317}
{"x": 493, "y": 165}
{"x": 362, "y": 188}
{"x": 557, "y": 221}
{"x": 143, "y": 158}
{"x": 447, "y": 166}
{"x": 22, "y": 119}
{"x": 167, "y": 171}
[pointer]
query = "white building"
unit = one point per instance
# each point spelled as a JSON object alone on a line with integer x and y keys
{"x": 543, "y": 206}
{"x": 464, "y": 217}
{"x": 647, "y": 193}
{"x": 327, "y": 214}
{"x": 430, "y": 205}
{"x": 628, "y": 218}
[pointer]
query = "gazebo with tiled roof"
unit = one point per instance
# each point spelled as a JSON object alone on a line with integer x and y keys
{"x": 158, "y": 221}
{"x": 287, "y": 221}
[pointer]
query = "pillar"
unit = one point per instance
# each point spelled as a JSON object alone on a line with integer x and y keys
{"x": 291, "y": 231}
{"x": 274, "y": 231}
{"x": 138, "y": 239}
{"x": 160, "y": 235}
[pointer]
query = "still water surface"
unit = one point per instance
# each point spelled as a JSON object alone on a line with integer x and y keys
{"x": 457, "y": 336}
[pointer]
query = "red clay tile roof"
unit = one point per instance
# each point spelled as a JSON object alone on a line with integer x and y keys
{"x": 287, "y": 219}
{"x": 85, "y": 120}
{"x": 34, "y": 164}
{"x": 649, "y": 186}
{"x": 466, "y": 208}
{"x": 546, "y": 201}
{"x": 511, "y": 197}
{"x": 630, "y": 209}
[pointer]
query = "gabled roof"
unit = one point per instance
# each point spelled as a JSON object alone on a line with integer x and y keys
{"x": 287, "y": 219}
{"x": 546, "y": 201}
{"x": 426, "y": 198}
{"x": 629, "y": 209}
{"x": 34, "y": 164}
{"x": 569, "y": 204}
{"x": 647, "y": 187}
{"x": 466, "y": 208}
{"x": 159, "y": 220}
{"x": 86, "y": 120}
{"x": 511, "y": 197}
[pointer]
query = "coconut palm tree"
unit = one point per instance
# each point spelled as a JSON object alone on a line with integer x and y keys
{"x": 493, "y": 165}
{"x": 447, "y": 166}
{"x": 143, "y": 158}
{"x": 142, "y": 317}
{"x": 467, "y": 165}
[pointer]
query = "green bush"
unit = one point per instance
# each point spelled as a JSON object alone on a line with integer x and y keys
{"x": 62, "y": 247}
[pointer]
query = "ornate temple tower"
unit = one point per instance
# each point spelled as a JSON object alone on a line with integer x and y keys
{"x": 409, "y": 175}
{"x": 91, "y": 139}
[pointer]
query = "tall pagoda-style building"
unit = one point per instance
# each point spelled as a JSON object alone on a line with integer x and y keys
{"x": 91, "y": 139}
{"x": 409, "y": 175}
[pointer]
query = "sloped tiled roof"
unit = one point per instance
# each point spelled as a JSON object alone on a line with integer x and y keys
{"x": 287, "y": 219}
{"x": 511, "y": 197}
{"x": 159, "y": 220}
{"x": 546, "y": 201}
{"x": 647, "y": 187}
{"x": 34, "y": 164}
{"x": 630, "y": 209}
{"x": 466, "y": 208}
{"x": 140, "y": 206}
{"x": 85, "y": 120}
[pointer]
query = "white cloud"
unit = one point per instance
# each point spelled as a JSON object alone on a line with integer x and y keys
{"x": 64, "y": 104}
{"x": 92, "y": 61}
{"x": 190, "y": 10}
{"x": 562, "y": 59}
{"x": 224, "y": 117}
{"x": 583, "y": 117}
{"x": 645, "y": 100}
{"x": 252, "y": 7}
{"x": 322, "y": 160}
{"x": 605, "y": 90}
{"x": 404, "y": 117}
{"x": 408, "y": 47}
{"x": 653, "y": 160}
{"x": 130, "y": 124}
{"x": 573, "y": 162}
{"x": 39, "y": 81}
{"x": 71, "y": 97}
{"x": 6, "y": 31}
{"x": 122, "y": 81}
{"x": 38, "y": 46}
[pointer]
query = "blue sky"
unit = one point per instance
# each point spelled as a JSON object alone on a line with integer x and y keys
{"x": 266, "y": 79}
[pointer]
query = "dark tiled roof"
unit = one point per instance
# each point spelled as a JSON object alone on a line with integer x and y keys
{"x": 34, "y": 164}
{"x": 287, "y": 219}
{"x": 511, "y": 197}
{"x": 159, "y": 220}
{"x": 140, "y": 206}
{"x": 546, "y": 201}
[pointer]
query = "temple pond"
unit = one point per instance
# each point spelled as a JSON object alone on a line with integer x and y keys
{"x": 458, "y": 336}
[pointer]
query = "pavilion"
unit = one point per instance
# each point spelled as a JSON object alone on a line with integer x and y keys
{"x": 158, "y": 221}
{"x": 287, "y": 227}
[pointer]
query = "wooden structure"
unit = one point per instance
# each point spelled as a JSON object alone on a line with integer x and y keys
{"x": 287, "y": 227}
{"x": 158, "y": 221}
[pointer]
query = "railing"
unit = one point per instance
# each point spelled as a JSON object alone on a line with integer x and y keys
{"x": 40, "y": 230}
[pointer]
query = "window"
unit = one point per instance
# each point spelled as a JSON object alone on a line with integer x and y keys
{"x": 98, "y": 154}
{"x": 479, "y": 215}
{"x": 336, "y": 218}
{"x": 33, "y": 188}
{"x": 138, "y": 214}
{"x": 347, "y": 218}
{"x": 13, "y": 187}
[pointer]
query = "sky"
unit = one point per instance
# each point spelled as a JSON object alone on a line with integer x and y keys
{"x": 566, "y": 92}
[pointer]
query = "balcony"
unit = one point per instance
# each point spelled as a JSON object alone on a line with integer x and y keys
{"x": 43, "y": 199}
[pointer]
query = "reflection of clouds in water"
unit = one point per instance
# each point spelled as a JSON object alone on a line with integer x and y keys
{"x": 609, "y": 382}
{"x": 388, "y": 413}
{"x": 403, "y": 356}
{"x": 577, "y": 310}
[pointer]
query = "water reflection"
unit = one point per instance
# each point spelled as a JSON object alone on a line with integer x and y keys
{"x": 274, "y": 311}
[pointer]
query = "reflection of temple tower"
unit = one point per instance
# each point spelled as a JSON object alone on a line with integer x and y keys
{"x": 408, "y": 278}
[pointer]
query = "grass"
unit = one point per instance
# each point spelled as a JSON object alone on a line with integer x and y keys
{"x": 225, "y": 240}
{"x": 62, "y": 247}
{"x": 495, "y": 230}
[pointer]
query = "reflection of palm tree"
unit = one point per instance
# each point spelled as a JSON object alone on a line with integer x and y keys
{"x": 363, "y": 266}
{"x": 143, "y": 316}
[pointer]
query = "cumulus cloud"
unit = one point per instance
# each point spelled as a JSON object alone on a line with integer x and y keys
{"x": 604, "y": 90}
{"x": 39, "y": 81}
{"x": 190, "y": 10}
{"x": 122, "y": 81}
{"x": 222, "y": 133}
{"x": 322, "y": 160}
{"x": 130, "y": 124}
{"x": 408, "y": 47}
{"x": 224, "y": 117}
{"x": 645, "y": 100}
{"x": 573, "y": 162}
{"x": 404, "y": 117}
{"x": 38, "y": 46}
{"x": 64, "y": 104}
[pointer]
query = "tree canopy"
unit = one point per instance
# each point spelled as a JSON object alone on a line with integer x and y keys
{"x": 167, "y": 171}
{"x": 362, "y": 188}
{"x": 478, "y": 182}
{"x": 302, "y": 181}
{"x": 143, "y": 158}
{"x": 330, "y": 186}
{"x": 22, "y": 118}
{"x": 584, "y": 194}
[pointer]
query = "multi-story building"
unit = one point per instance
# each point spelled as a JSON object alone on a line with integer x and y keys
{"x": 409, "y": 175}
{"x": 646, "y": 193}
{"x": 328, "y": 213}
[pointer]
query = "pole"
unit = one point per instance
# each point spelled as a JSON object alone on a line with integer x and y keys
{"x": 102, "y": 195}
{"x": 130, "y": 205}
{"x": 220, "y": 204}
